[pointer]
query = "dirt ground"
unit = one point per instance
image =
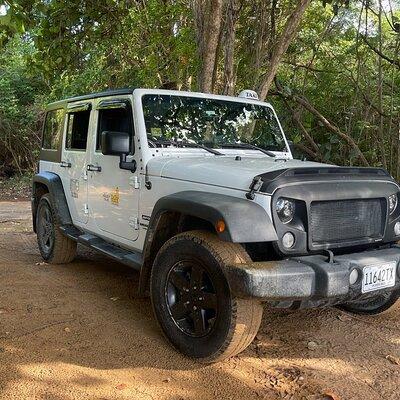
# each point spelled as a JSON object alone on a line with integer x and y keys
{"x": 77, "y": 331}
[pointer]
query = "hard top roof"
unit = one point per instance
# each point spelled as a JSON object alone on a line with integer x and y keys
{"x": 114, "y": 92}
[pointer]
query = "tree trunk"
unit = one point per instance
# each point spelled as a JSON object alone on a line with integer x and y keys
{"x": 282, "y": 44}
{"x": 208, "y": 17}
{"x": 229, "y": 47}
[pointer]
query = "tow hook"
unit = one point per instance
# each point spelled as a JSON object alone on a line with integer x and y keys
{"x": 254, "y": 187}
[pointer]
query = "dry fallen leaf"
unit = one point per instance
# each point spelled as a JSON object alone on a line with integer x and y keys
{"x": 393, "y": 360}
{"x": 121, "y": 386}
{"x": 67, "y": 329}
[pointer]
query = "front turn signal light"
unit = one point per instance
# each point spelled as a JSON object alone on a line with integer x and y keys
{"x": 220, "y": 226}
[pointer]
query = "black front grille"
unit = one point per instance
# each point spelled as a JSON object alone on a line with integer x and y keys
{"x": 346, "y": 221}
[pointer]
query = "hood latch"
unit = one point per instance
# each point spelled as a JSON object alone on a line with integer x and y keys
{"x": 254, "y": 187}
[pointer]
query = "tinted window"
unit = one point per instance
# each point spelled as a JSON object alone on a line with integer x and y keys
{"x": 115, "y": 120}
{"x": 77, "y": 132}
{"x": 53, "y": 128}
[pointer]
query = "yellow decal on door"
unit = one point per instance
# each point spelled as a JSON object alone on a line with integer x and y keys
{"x": 115, "y": 196}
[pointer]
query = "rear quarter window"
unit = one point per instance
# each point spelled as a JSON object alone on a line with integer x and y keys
{"x": 53, "y": 128}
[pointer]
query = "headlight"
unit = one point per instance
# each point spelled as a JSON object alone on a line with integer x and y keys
{"x": 285, "y": 209}
{"x": 392, "y": 202}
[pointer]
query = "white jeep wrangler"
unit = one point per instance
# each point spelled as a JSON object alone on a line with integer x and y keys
{"x": 201, "y": 195}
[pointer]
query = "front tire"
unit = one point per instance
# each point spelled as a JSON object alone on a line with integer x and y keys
{"x": 382, "y": 303}
{"x": 192, "y": 300}
{"x": 54, "y": 247}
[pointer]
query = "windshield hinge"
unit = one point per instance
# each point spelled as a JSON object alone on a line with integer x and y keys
{"x": 254, "y": 187}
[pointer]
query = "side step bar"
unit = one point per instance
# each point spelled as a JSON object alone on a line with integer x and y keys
{"x": 129, "y": 258}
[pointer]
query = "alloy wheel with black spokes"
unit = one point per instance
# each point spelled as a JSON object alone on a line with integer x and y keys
{"x": 45, "y": 228}
{"x": 54, "y": 247}
{"x": 192, "y": 300}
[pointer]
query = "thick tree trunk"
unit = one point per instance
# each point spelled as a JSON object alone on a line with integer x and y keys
{"x": 282, "y": 44}
{"x": 232, "y": 13}
{"x": 208, "y": 18}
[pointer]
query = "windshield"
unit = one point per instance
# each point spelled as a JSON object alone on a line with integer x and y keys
{"x": 171, "y": 120}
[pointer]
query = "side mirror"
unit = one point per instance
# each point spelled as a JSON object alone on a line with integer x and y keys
{"x": 115, "y": 143}
{"x": 118, "y": 144}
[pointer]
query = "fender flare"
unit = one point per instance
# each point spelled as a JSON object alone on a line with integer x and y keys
{"x": 55, "y": 188}
{"x": 246, "y": 221}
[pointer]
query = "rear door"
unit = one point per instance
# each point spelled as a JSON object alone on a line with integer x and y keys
{"x": 74, "y": 160}
{"x": 113, "y": 192}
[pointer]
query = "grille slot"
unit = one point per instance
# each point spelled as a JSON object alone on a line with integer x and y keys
{"x": 346, "y": 221}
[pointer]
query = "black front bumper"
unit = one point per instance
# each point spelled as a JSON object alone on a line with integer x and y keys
{"x": 309, "y": 280}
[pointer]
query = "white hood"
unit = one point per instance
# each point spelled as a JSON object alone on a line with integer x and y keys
{"x": 220, "y": 170}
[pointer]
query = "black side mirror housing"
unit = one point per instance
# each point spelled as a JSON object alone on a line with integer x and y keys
{"x": 118, "y": 144}
{"x": 115, "y": 143}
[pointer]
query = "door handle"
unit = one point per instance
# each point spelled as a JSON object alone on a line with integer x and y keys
{"x": 65, "y": 164}
{"x": 95, "y": 168}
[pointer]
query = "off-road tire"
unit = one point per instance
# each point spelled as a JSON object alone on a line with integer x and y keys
{"x": 380, "y": 304}
{"x": 237, "y": 321}
{"x": 60, "y": 249}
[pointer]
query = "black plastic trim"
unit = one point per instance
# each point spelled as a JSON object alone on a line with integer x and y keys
{"x": 310, "y": 278}
{"x": 246, "y": 221}
{"x": 54, "y": 186}
{"x": 304, "y": 193}
{"x": 126, "y": 257}
{"x": 117, "y": 92}
{"x": 285, "y": 177}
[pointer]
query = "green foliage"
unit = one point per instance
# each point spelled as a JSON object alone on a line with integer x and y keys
{"x": 56, "y": 48}
{"x": 19, "y": 112}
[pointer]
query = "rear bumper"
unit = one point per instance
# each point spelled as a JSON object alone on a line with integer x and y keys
{"x": 309, "y": 280}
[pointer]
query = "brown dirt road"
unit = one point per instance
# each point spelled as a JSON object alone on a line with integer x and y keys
{"x": 75, "y": 332}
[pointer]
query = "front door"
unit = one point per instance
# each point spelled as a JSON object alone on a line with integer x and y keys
{"x": 74, "y": 161}
{"x": 113, "y": 192}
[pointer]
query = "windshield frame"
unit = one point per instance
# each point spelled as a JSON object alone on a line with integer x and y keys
{"x": 141, "y": 126}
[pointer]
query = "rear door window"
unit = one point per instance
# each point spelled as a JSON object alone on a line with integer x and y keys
{"x": 77, "y": 131}
{"x": 53, "y": 128}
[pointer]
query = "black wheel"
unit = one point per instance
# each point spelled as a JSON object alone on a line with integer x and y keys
{"x": 373, "y": 306}
{"x": 54, "y": 247}
{"x": 192, "y": 300}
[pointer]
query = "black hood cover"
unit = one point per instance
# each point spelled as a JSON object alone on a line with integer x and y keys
{"x": 275, "y": 179}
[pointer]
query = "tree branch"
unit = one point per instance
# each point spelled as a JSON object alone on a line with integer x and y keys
{"x": 380, "y": 54}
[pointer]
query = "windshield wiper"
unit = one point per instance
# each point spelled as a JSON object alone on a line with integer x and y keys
{"x": 248, "y": 146}
{"x": 189, "y": 143}
{"x": 182, "y": 143}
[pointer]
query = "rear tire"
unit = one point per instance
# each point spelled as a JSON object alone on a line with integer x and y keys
{"x": 192, "y": 300}
{"x": 54, "y": 247}
{"x": 379, "y": 304}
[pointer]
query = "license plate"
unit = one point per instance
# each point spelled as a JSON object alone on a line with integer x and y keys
{"x": 379, "y": 276}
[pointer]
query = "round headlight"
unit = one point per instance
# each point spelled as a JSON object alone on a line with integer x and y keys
{"x": 285, "y": 209}
{"x": 392, "y": 202}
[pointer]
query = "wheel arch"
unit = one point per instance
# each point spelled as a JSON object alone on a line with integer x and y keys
{"x": 49, "y": 182}
{"x": 245, "y": 221}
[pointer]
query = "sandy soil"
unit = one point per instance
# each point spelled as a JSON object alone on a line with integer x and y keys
{"x": 78, "y": 331}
